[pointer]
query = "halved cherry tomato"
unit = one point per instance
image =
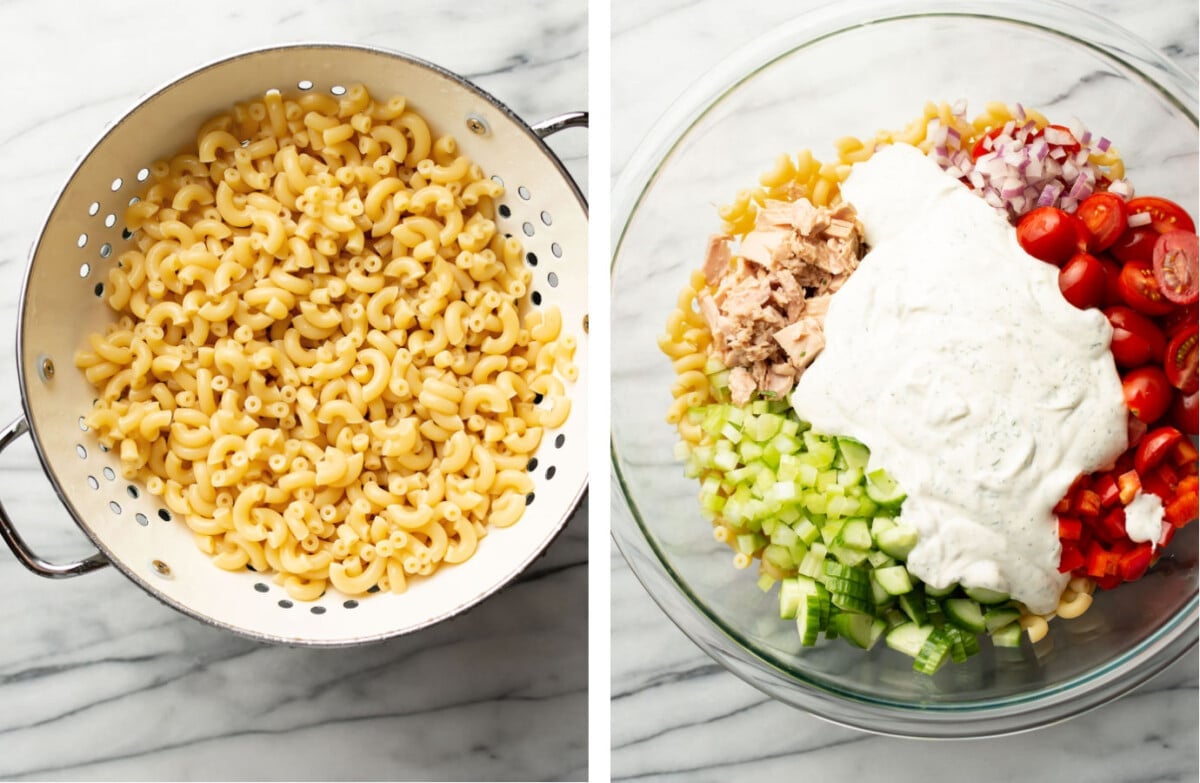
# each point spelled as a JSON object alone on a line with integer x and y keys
{"x": 1176, "y": 321}
{"x": 1155, "y": 448}
{"x": 1185, "y": 412}
{"x": 1180, "y": 361}
{"x": 1082, "y": 281}
{"x": 1140, "y": 290}
{"x": 1135, "y": 244}
{"x": 1165, "y": 215}
{"x": 1104, "y": 217}
{"x": 979, "y": 148}
{"x": 1049, "y": 234}
{"x": 1136, "y": 340}
{"x": 1147, "y": 393}
{"x": 1177, "y": 266}
{"x": 1112, "y": 273}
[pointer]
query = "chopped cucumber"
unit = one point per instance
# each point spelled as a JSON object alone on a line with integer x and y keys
{"x": 940, "y": 592}
{"x": 913, "y": 605}
{"x": 1000, "y": 616}
{"x": 860, "y": 629}
{"x": 908, "y": 638}
{"x": 1007, "y": 636}
{"x": 897, "y": 541}
{"x": 894, "y": 579}
{"x": 964, "y": 613}
{"x": 883, "y": 489}
{"x": 933, "y": 653}
{"x": 985, "y": 596}
{"x": 856, "y": 533}
{"x": 856, "y": 454}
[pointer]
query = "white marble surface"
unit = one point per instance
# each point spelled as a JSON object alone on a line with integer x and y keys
{"x": 98, "y": 680}
{"x": 676, "y": 713}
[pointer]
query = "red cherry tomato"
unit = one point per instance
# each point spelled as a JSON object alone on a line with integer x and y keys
{"x": 1185, "y": 412}
{"x": 1136, "y": 340}
{"x": 1180, "y": 362}
{"x": 1112, "y": 273}
{"x": 1164, "y": 215}
{"x": 1177, "y": 266}
{"x": 1104, "y": 217}
{"x": 1082, "y": 281}
{"x": 1154, "y": 448}
{"x": 979, "y": 148}
{"x": 1140, "y": 291}
{"x": 1180, "y": 319}
{"x": 1049, "y": 234}
{"x": 1136, "y": 244}
{"x": 1147, "y": 392}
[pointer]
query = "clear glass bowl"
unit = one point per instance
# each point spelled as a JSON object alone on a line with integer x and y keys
{"x": 841, "y": 72}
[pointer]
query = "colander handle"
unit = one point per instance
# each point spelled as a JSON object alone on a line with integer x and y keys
{"x": 26, "y": 555}
{"x": 552, "y": 125}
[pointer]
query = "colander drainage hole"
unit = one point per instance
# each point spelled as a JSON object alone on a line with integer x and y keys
{"x": 523, "y": 192}
{"x": 85, "y": 270}
{"x": 133, "y": 491}
{"x": 550, "y": 471}
{"x": 532, "y": 465}
{"x": 556, "y": 249}
{"x": 531, "y": 259}
{"x": 93, "y": 482}
{"x": 317, "y": 610}
{"x": 164, "y": 515}
{"x": 502, "y": 209}
{"x": 350, "y": 604}
{"x": 141, "y": 519}
{"x": 83, "y": 424}
{"x": 260, "y": 587}
{"x": 546, "y": 219}
{"x": 536, "y": 297}
{"x": 81, "y": 451}
{"x": 116, "y": 184}
{"x": 105, "y": 250}
{"x": 337, "y": 89}
{"x": 94, "y": 208}
{"x": 160, "y": 568}
{"x": 143, "y": 175}
{"x": 304, "y": 84}
{"x": 527, "y": 227}
{"x": 552, "y": 279}
{"x": 110, "y": 474}
{"x": 285, "y": 604}
{"x": 110, "y": 220}
{"x": 529, "y": 499}
{"x": 99, "y": 289}
{"x": 82, "y": 241}
{"x": 560, "y": 440}
{"x": 114, "y": 507}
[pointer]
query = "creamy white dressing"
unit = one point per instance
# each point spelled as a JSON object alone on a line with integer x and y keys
{"x": 953, "y": 356}
{"x": 1143, "y": 518}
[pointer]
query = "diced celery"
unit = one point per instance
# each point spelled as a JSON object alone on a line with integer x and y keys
{"x": 749, "y": 451}
{"x": 783, "y": 491}
{"x": 731, "y": 433}
{"x": 815, "y": 503}
{"x": 790, "y": 426}
{"x": 778, "y": 556}
{"x": 855, "y": 533}
{"x": 849, "y": 477}
{"x": 807, "y": 474}
{"x": 748, "y": 543}
{"x": 826, "y": 479}
{"x": 839, "y": 506}
{"x": 725, "y": 460}
{"x": 807, "y": 532}
{"x": 790, "y": 515}
{"x": 783, "y": 535}
{"x": 766, "y": 582}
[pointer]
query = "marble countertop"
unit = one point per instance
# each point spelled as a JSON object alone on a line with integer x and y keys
{"x": 676, "y": 713}
{"x": 100, "y": 681}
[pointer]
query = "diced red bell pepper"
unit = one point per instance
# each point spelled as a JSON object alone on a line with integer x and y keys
{"x": 1168, "y": 532}
{"x": 1106, "y": 487}
{"x": 1063, "y": 506}
{"x": 1188, "y": 484}
{"x": 1099, "y": 562}
{"x": 1185, "y": 453}
{"x": 1156, "y": 484}
{"x": 1087, "y": 503}
{"x": 1069, "y": 528}
{"x": 1070, "y": 559}
{"x": 1128, "y": 484}
{"x": 1183, "y": 509}
{"x": 1111, "y": 527}
{"x": 1133, "y": 564}
{"x": 1108, "y": 582}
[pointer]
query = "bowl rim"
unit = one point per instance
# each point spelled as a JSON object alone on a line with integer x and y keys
{"x": 1006, "y": 715}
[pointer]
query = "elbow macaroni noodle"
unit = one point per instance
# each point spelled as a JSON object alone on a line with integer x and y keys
{"x": 320, "y": 362}
{"x": 687, "y": 338}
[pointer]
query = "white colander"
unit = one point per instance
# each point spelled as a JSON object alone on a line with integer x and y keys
{"x": 61, "y": 303}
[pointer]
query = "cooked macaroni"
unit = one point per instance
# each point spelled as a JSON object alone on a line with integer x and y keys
{"x": 320, "y": 362}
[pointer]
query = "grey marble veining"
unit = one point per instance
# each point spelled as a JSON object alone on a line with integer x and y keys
{"x": 677, "y": 715}
{"x": 98, "y": 680}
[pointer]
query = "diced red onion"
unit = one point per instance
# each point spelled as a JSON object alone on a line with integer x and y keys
{"x": 1139, "y": 218}
{"x": 1056, "y": 136}
{"x": 993, "y": 198}
{"x": 1020, "y": 111}
{"x": 1068, "y": 204}
{"x": 1081, "y": 189}
{"x": 1070, "y": 171}
{"x": 1050, "y": 193}
{"x": 1040, "y": 149}
{"x": 1085, "y": 137}
{"x": 1103, "y": 144}
{"x": 1121, "y": 188}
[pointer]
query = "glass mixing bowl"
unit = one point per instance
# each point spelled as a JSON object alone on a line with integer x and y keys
{"x": 846, "y": 71}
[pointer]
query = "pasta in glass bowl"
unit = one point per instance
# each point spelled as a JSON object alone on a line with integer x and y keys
{"x": 713, "y": 145}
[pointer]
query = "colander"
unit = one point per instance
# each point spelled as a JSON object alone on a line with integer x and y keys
{"x": 62, "y": 301}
